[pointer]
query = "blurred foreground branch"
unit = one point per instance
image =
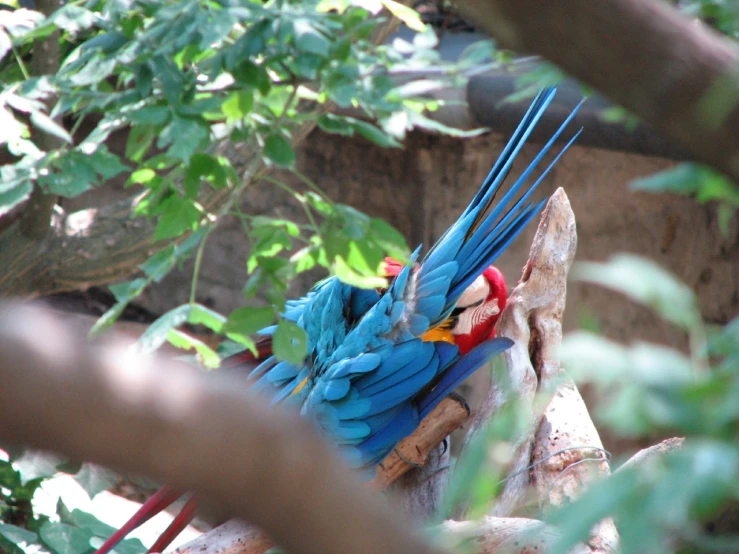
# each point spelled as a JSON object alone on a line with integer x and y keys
{"x": 164, "y": 419}
{"x": 676, "y": 74}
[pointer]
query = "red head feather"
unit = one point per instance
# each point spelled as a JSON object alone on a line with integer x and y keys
{"x": 486, "y": 328}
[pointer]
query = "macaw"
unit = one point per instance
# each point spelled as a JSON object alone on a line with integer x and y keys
{"x": 379, "y": 361}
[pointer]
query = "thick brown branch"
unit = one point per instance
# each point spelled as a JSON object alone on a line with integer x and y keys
{"x": 239, "y": 538}
{"x": 532, "y": 319}
{"x": 172, "y": 422}
{"x": 676, "y": 74}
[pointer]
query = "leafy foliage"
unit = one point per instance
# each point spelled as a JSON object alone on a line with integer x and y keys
{"x": 71, "y": 532}
{"x": 180, "y": 78}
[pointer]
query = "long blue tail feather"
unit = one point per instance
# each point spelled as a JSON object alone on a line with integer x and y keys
{"x": 482, "y": 233}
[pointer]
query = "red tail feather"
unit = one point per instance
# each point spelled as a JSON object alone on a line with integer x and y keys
{"x": 178, "y": 524}
{"x": 158, "y": 502}
{"x": 166, "y": 496}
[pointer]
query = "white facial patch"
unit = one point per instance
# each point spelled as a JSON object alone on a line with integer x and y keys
{"x": 472, "y": 317}
{"x": 476, "y": 292}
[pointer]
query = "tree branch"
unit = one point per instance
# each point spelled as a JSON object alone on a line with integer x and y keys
{"x": 446, "y": 418}
{"x": 418, "y": 495}
{"x": 36, "y": 218}
{"x": 508, "y": 535}
{"x": 170, "y": 421}
{"x": 548, "y": 467}
{"x": 676, "y": 74}
{"x": 646, "y": 454}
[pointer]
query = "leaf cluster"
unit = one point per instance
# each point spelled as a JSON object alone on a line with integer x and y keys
{"x": 65, "y": 532}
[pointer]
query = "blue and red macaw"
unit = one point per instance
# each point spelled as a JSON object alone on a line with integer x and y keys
{"x": 379, "y": 361}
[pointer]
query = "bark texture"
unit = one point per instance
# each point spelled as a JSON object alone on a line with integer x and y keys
{"x": 676, "y": 74}
{"x": 554, "y": 460}
{"x": 170, "y": 421}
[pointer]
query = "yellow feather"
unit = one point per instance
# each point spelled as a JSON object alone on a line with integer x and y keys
{"x": 439, "y": 334}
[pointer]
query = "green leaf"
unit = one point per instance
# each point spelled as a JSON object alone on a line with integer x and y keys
{"x": 645, "y": 282}
{"x": 95, "y": 479}
{"x": 73, "y": 18}
{"x": 158, "y": 265}
{"x": 304, "y": 259}
{"x": 184, "y": 341}
{"x": 65, "y": 539}
{"x": 278, "y": 150}
{"x": 238, "y": 104}
{"x": 95, "y": 70}
{"x": 178, "y": 215}
{"x": 34, "y": 464}
{"x": 11, "y": 196}
{"x": 373, "y": 134}
{"x": 89, "y": 522}
{"x": 270, "y": 240}
{"x": 204, "y": 166}
{"x": 70, "y": 175}
{"x": 589, "y": 355}
{"x": 309, "y": 39}
{"x": 478, "y": 52}
{"x": 48, "y": 125}
{"x": 139, "y": 141}
{"x": 106, "y": 164}
{"x": 407, "y": 15}
{"x": 128, "y": 546}
{"x": 244, "y": 322}
{"x": 249, "y": 74}
{"x": 335, "y": 124}
{"x": 149, "y": 115}
{"x": 420, "y": 120}
{"x": 705, "y": 183}
{"x": 156, "y": 334}
{"x": 201, "y": 315}
{"x": 350, "y": 277}
{"x": 389, "y": 239}
{"x": 124, "y": 293}
{"x": 17, "y": 535}
{"x": 186, "y": 136}
{"x": 289, "y": 342}
{"x": 290, "y": 227}
{"x": 143, "y": 176}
